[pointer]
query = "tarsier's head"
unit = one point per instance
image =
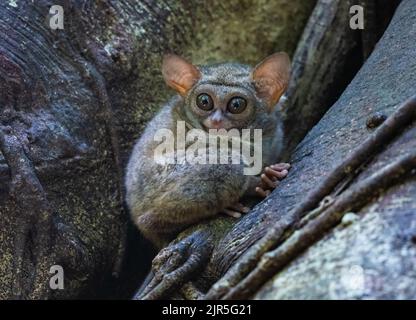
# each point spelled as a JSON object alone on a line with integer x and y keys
{"x": 228, "y": 95}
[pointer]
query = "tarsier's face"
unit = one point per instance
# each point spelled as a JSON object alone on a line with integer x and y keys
{"x": 224, "y": 111}
{"x": 229, "y": 95}
{"x": 222, "y": 98}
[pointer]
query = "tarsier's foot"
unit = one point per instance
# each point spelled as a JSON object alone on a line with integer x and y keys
{"x": 175, "y": 265}
{"x": 236, "y": 210}
{"x": 270, "y": 178}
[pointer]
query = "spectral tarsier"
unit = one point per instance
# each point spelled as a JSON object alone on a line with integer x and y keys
{"x": 164, "y": 199}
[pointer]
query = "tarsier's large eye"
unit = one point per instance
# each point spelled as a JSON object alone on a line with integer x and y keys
{"x": 237, "y": 105}
{"x": 204, "y": 102}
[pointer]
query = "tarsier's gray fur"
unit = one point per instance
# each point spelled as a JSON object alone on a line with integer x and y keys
{"x": 164, "y": 200}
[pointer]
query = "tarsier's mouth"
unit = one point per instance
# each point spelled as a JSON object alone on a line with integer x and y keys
{"x": 217, "y": 127}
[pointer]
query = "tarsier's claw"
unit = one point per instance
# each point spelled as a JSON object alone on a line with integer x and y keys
{"x": 240, "y": 208}
{"x": 232, "y": 213}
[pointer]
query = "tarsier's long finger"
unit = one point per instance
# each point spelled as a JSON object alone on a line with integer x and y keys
{"x": 278, "y": 174}
{"x": 240, "y": 208}
{"x": 281, "y": 166}
{"x": 268, "y": 182}
{"x": 232, "y": 213}
{"x": 262, "y": 193}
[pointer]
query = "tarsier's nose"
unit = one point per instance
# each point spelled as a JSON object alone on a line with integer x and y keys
{"x": 217, "y": 119}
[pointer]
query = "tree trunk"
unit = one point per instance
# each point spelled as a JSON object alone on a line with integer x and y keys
{"x": 360, "y": 241}
{"x": 72, "y": 102}
{"x": 374, "y": 256}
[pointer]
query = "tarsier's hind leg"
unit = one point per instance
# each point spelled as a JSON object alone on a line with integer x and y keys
{"x": 159, "y": 227}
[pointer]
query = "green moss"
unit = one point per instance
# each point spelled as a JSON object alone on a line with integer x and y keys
{"x": 247, "y": 31}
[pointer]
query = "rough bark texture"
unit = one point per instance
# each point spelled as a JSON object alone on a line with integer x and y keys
{"x": 313, "y": 86}
{"x": 73, "y": 101}
{"x": 374, "y": 256}
{"x": 328, "y": 56}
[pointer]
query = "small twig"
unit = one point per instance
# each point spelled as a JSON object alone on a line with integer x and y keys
{"x": 352, "y": 199}
{"x": 403, "y": 116}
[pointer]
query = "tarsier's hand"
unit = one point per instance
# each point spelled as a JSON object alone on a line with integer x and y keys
{"x": 270, "y": 178}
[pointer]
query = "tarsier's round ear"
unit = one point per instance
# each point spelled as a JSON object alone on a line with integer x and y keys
{"x": 271, "y": 77}
{"x": 179, "y": 74}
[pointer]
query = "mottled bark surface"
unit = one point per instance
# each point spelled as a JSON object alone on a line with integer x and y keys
{"x": 328, "y": 56}
{"x": 309, "y": 103}
{"x": 72, "y": 103}
{"x": 374, "y": 256}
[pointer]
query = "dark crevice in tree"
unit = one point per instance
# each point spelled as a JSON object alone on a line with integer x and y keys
{"x": 377, "y": 16}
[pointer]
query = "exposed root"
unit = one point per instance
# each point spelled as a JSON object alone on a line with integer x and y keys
{"x": 403, "y": 116}
{"x": 299, "y": 240}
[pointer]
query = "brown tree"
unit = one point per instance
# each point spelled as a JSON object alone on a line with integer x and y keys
{"x": 73, "y": 101}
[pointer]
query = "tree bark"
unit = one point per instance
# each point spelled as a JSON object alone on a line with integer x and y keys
{"x": 328, "y": 56}
{"x": 373, "y": 257}
{"x": 370, "y": 253}
{"x": 72, "y": 103}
